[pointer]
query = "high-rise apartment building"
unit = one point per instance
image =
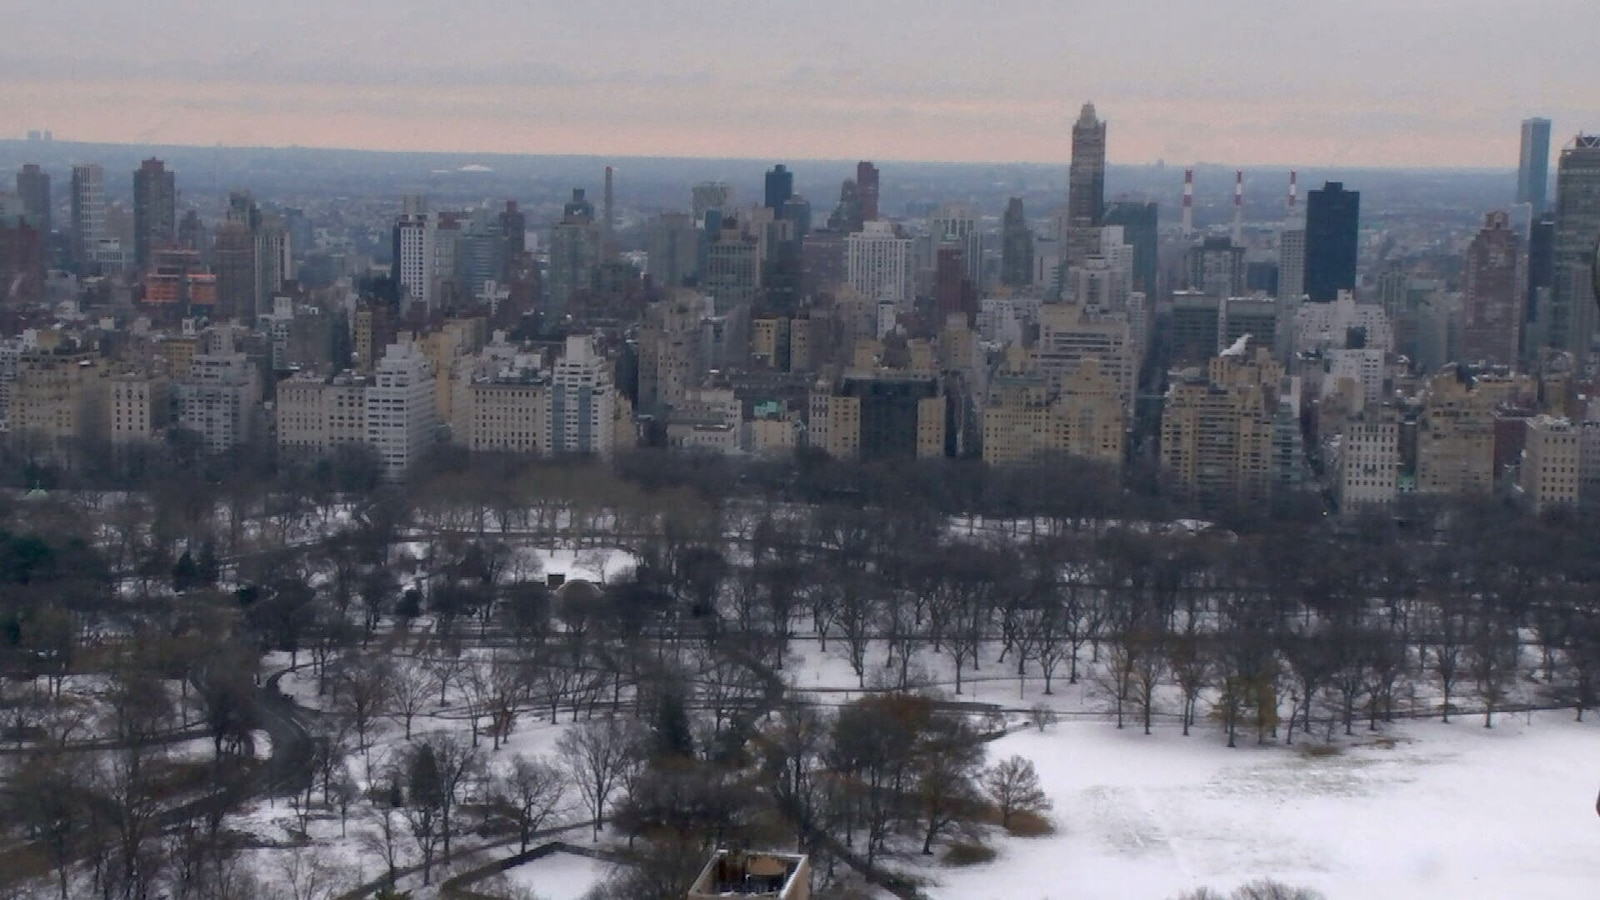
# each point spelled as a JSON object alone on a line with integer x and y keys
{"x": 1024, "y": 418}
{"x": 1455, "y": 438}
{"x": 1491, "y": 327}
{"x": 139, "y": 406}
{"x": 155, "y": 211}
{"x": 1292, "y": 260}
{"x": 1533, "y": 171}
{"x": 1086, "y": 186}
{"x": 317, "y": 414}
{"x": 674, "y": 249}
{"x": 1070, "y": 334}
{"x": 707, "y": 196}
{"x": 1217, "y": 429}
{"x": 956, "y": 225}
{"x": 1333, "y": 221}
{"x": 88, "y": 213}
{"x": 1216, "y": 267}
{"x": 878, "y": 263}
{"x": 574, "y": 251}
{"x": 218, "y": 397}
{"x": 414, "y": 258}
{"x": 1571, "y": 323}
{"x": 401, "y": 416}
{"x": 1369, "y": 460}
{"x": 1551, "y": 458}
{"x": 234, "y": 262}
{"x": 582, "y": 404}
{"x": 33, "y": 189}
{"x": 1016, "y": 246}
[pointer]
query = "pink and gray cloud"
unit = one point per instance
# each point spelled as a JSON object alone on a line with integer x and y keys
{"x": 1334, "y": 83}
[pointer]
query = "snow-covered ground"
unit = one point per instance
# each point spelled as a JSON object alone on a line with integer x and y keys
{"x": 560, "y": 876}
{"x": 1426, "y": 810}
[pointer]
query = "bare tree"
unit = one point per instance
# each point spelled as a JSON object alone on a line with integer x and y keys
{"x": 598, "y": 756}
{"x": 409, "y": 691}
{"x": 1493, "y": 660}
{"x": 534, "y": 791}
{"x": 362, "y": 693}
{"x": 1013, "y": 786}
{"x": 308, "y": 876}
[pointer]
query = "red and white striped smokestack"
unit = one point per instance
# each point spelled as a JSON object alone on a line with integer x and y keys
{"x": 1188, "y": 201}
{"x": 1238, "y": 207}
{"x": 1294, "y": 190}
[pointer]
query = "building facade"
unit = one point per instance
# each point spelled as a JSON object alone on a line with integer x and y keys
{"x": 1333, "y": 222}
{"x": 1491, "y": 327}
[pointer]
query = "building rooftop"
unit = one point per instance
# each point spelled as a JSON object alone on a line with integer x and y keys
{"x": 731, "y": 873}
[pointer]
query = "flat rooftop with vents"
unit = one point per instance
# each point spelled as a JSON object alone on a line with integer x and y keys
{"x": 732, "y": 873}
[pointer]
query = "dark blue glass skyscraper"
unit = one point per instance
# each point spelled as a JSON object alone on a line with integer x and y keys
{"x": 1333, "y": 217}
{"x": 1533, "y": 172}
{"x": 780, "y": 187}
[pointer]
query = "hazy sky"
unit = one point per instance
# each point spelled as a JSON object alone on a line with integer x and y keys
{"x": 1330, "y": 83}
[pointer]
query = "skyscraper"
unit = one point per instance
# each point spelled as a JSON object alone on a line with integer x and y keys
{"x": 33, "y": 189}
{"x": 155, "y": 210}
{"x": 234, "y": 260}
{"x": 574, "y": 251}
{"x": 1572, "y": 315}
{"x": 1333, "y": 217}
{"x": 1086, "y": 186}
{"x": 954, "y": 224}
{"x": 709, "y": 195}
{"x": 1016, "y": 246}
{"x": 674, "y": 249}
{"x": 1492, "y": 302}
{"x": 1140, "y": 227}
{"x": 867, "y": 190}
{"x": 780, "y": 187}
{"x": 1533, "y": 173}
{"x": 413, "y": 273}
{"x": 88, "y": 212}
{"x": 878, "y": 263}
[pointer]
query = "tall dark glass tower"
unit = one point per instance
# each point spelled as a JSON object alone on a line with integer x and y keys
{"x": 33, "y": 188}
{"x": 867, "y": 190}
{"x": 1333, "y": 221}
{"x": 1140, "y": 229}
{"x": 1016, "y": 246}
{"x": 1572, "y": 320}
{"x": 1086, "y": 186}
{"x": 155, "y": 210}
{"x": 780, "y": 187}
{"x": 1533, "y": 173}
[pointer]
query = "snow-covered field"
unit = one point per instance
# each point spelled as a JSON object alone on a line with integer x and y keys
{"x": 560, "y": 876}
{"x": 1427, "y": 810}
{"x": 1417, "y": 810}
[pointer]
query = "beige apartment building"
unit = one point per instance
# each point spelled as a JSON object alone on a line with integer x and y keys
{"x": 58, "y": 398}
{"x": 1455, "y": 439}
{"x": 141, "y": 407}
{"x": 1550, "y": 463}
{"x": 1024, "y": 418}
{"x": 508, "y": 417}
{"x": 317, "y": 414}
{"x": 1217, "y": 429}
{"x": 1369, "y": 459}
{"x": 1068, "y": 335}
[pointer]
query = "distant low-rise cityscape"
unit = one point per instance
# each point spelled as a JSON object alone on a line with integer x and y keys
{"x": 1340, "y": 350}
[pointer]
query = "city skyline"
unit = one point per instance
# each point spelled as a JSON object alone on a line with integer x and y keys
{"x": 939, "y": 83}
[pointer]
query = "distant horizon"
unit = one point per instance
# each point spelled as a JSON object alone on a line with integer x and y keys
{"x": 765, "y": 160}
{"x": 1358, "y": 84}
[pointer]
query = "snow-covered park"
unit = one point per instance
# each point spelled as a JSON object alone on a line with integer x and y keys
{"x": 1427, "y": 810}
